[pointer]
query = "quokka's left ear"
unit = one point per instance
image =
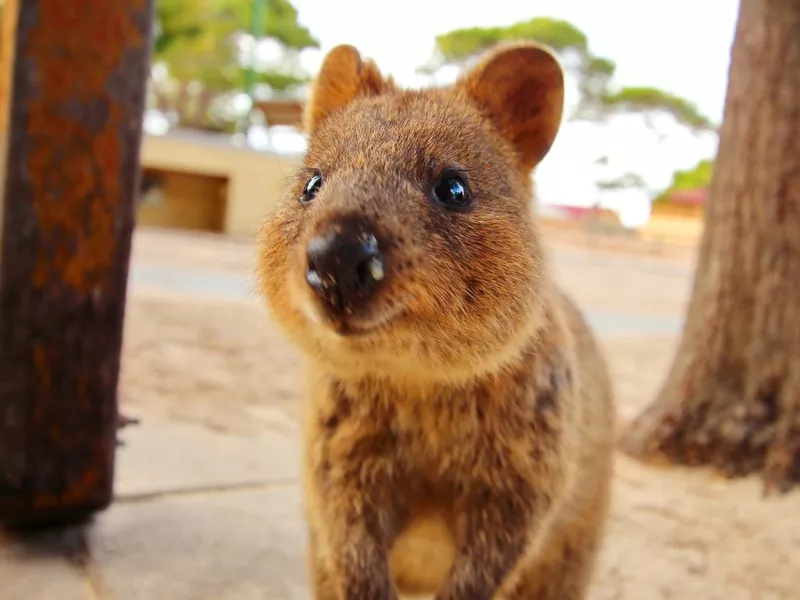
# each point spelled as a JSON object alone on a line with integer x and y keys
{"x": 519, "y": 87}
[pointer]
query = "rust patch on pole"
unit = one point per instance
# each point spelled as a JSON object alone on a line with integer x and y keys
{"x": 78, "y": 89}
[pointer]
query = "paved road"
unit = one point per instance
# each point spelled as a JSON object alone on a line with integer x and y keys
{"x": 618, "y": 261}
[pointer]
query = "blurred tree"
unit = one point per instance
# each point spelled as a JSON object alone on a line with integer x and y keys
{"x": 732, "y": 397}
{"x": 593, "y": 73}
{"x": 698, "y": 177}
{"x": 647, "y": 100}
{"x": 196, "y": 40}
{"x": 627, "y": 181}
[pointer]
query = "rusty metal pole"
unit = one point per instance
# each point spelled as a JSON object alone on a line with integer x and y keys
{"x": 72, "y": 165}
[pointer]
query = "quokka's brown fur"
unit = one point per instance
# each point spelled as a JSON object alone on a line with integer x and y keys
{"x": 459, "y": 430}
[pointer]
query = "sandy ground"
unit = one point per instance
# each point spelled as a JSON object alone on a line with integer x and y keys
{"x": 204, "y": 351}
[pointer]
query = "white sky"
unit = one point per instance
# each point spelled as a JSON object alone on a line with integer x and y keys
{"x": 681, "y": 46}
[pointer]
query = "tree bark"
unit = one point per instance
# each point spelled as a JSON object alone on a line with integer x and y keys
{"x": 732, "y": 398}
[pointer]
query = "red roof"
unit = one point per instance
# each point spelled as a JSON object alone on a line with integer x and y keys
{"x": 574, "y": 211}
{"x": 697, "y": 196}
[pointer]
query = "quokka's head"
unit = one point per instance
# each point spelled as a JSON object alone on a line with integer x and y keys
{"x": 405, "y": 245}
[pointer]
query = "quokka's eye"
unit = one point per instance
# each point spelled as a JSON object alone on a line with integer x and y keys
{"x": 311, "y": 188}
{"x": 451, "y": 190}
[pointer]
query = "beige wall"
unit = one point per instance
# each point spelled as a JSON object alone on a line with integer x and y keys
{"x": 10, "y": 10}
{"x": 669, "y": 209}
{"x": 674, "y": 222}
{"x": 671, "y": 228}
{"x": 189, "y": 201}
{"x": 8, "y": 28}
{"x": 253, "y": 180}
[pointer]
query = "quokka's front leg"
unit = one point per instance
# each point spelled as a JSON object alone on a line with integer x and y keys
{"x": 349, "y": 485}
{"x": 361, "y": 561}
{"x": 356, "y": 569}
{"x": 354, "y": 563}
{"x": 499, "y": 524}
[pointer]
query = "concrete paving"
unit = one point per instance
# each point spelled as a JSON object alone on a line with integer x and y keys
{"x": 198, "y": 515}
{"x": 226, "y": 284}
{"x": 203, "y": 514}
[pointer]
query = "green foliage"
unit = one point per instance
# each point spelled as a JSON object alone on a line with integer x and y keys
{"x": 280, "y": 21}
{"x": 594, "y": 73}
{"x": 279, "y": 81}
{"x": 647, "y": 99}
{"x": 697, "y": 177}
{"x": 176, "y": 21}
{"x": 195, "y": 39}
{"x": 461, "y": 44}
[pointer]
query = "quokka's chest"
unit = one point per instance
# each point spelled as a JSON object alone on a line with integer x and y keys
{"x": 440, "y": 437}
{"x": 422, "y": 553}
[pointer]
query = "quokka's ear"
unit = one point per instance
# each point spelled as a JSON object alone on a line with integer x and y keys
{"x": 519, "y": 87}
{"x": 343, "y": 77}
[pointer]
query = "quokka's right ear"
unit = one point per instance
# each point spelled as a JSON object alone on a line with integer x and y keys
{"x": 343, "y": 77}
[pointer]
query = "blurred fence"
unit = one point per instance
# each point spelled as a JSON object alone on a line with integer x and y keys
{"x": 589, "y": 233}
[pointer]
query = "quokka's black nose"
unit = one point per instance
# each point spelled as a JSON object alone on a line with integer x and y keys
{"x": 344, "y": 265}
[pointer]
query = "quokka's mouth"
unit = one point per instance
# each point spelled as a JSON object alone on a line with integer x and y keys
{"x": 354, "y": 326}
{"x": 366, "y": 325}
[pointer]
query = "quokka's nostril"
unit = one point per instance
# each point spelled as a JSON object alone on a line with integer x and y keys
{"x": 363, "y": 276}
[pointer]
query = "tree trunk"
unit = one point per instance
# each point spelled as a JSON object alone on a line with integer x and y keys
{"x": 732, "y": 398}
